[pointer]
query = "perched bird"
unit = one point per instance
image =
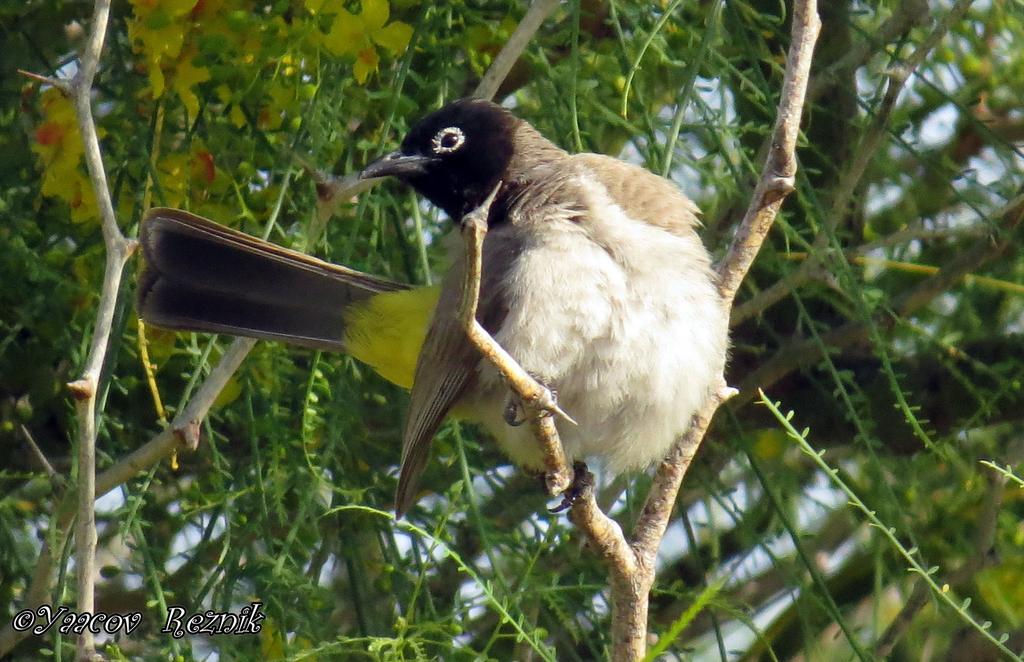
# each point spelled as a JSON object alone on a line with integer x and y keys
{"x": 594, "y": 280}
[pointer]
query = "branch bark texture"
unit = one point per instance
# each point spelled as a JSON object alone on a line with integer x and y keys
{"x": 631, "y": 562}
{"x": 85, "y": 388}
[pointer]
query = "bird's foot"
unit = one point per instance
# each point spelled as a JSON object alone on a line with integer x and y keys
{"x": 582, "y": 484}
{"x": 515, "y": 413}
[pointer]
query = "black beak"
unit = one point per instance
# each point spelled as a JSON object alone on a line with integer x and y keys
{"x": 396, "y": 164}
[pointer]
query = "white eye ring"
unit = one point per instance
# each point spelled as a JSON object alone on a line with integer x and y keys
{"x": 444, "y": 136}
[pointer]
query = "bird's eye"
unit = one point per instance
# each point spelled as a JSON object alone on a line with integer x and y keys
{"x": 448, "y": 140}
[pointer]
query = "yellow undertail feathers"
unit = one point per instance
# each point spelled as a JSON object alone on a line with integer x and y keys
{"x": 387, "y": 331}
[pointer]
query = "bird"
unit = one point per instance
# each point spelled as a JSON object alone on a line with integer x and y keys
{"x": 594, "y": 279}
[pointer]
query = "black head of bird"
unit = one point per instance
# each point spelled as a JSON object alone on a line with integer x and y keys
{"x": 594, "y": 279}
{"x": 454, "y": 156}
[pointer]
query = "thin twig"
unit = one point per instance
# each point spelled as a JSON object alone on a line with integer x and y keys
{"x": 855, "y": 257}
{"x": 869, "y": 144}
{"x": 185, "y": 425}
{"x": 60, "y": 83}
{"x": 40, "y": 456}
{"x": 777, "y": 178}
{"x": 865, "y": 153}
{"x": 803, "y": 352}
{"x": 128, "y": 467}
{"x": 799, "y": 277}
{"x": 631, "y": 564}
{"x": 650, "y": 527}
{"x": 538, "y": 401}
{"x": 813, "y": 270}
{"x": 776, "y": 181}
{"x": 906, "y": 16}
{"x": 918, "y": 233}
{"x": 513, "y": 48}
{"x": 84, "y": 389}
{"x": 984, "y": 539}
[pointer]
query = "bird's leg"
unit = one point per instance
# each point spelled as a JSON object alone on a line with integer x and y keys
{"x": 582, "y": 483}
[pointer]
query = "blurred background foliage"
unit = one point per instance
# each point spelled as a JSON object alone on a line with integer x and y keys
{"x": 885, "y": 310}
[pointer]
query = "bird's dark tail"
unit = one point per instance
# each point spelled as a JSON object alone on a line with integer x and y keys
{"x": 202, "y": 276}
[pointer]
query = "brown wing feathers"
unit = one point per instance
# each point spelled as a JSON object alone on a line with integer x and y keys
{"x": 202, "y": 276}
{"x": 643, "y": 195}
{"x": 447, "y": 364}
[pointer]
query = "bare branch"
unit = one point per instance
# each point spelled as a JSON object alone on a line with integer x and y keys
{"x": 775, "y": 183}
{"x": 820, "y": 272}
{"x": 803, "y": 352}
{"x": 632, "y": 565}
{"x": 866, "y": 150}
{"x": 870, "y": 142}
{"x": 142, "y": 459}
{"x": 630, "y": 580}
{"x": 513, "y": 48}
{"x": 905, "y": 16}
{"x": 61, "y": 84}
{"x": 777, "y": 177}
{"x": 184, "y": 426}
{"x": 40, "y": 456}
{"x": 653, "y": 520}
{"x": 84, "y": 389}
{"x": 538, "y": 401}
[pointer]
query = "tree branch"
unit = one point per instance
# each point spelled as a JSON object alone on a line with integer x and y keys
{"x": 180, "y": 433}
{"x": 905, "y": 16}
{"x": 776, "y": 181}
{"x": 538, "y": 400}
{"x": 631, "y": 564}
{"x": 84, "y": 389}
{"x": 803, "y": 352}
{"x": 866, "y": 151}
{"x": 51, "y": 473}
{"x": 513, "y": 48}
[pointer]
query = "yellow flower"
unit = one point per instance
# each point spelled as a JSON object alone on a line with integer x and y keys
{"x": 59, "y": 148}
{"x": 360, "y": 34}
{"x": 159, "y": 30}
{"x": 186, "y": 77}
{"x": 187, "y": 176}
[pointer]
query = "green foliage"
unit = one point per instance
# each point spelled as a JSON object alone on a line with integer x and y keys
{"x": 857, "y": 315}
